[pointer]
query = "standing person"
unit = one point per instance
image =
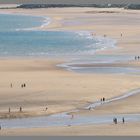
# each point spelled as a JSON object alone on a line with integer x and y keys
{"x": 24, "y": 85}
{"x": 9, "y": 110}
{"x": 72, "y": 116}
{"x": 46, "y": 108}
{"x": 0, "y": 127}
{"x": 101, "y": 99}
{"x": 20, "y": 109}
{"x": 11, "y": 85}
{"x": 116, "y": 121}
{"x": 123, "y": 120}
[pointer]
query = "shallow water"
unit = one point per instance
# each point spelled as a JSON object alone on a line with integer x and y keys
{"x": 74, "y": 65}
{"x": 49, "y": 43}
{"x": 125, "y": 95}
{"x": 12, "y": 22}
{"x": 64, "y": 119}
{"x": 19, "y": 37}
{"x": 106, "y": 70}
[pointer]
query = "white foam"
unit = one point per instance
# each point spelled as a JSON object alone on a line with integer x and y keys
{"x": 86, "y": 34}
{"x": 101, "y": 43}
{"x": 38, "y": 54}
{"x": 46, "y": 22}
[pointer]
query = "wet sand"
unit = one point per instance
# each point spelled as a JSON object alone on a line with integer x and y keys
{"x": 128, "y": 129}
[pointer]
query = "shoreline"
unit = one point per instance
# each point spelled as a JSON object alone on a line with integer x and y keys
{"x": 56, "y": 19}
{"x": 46, "y": 27}
{"x": 129, "y": 129}
{"x": 45, "y": 21}
{"x": 92, "y": 106}
{"x": 88, "y": 34}
{"x": 62, "y": 90}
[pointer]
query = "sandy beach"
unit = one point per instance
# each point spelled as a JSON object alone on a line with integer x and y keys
{"x": 60, "y": 90}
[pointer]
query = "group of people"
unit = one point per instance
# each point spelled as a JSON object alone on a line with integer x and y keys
{"x": 137, "y": 57}
{"x": 103, "y": 99}
{"x": 115, "y": 120}
{"x": 94, "y": 34}
{"x": 20, "y": 109}
{"x": 22, "y": 85}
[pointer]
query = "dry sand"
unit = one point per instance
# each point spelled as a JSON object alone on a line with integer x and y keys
{"x": 60, "y": 90}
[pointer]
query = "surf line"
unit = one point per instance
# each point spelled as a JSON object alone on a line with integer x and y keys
{"x": 107, "y": 101}
{"x": 66, "y": 118}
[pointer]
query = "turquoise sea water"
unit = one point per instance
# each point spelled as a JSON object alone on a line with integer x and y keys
{"x": 18, "y": 37}
{"x": 16, "y": 22}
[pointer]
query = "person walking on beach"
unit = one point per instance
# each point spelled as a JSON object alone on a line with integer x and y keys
{"x": 72, "y": 116}
{"x": 11, "y": 85}
{"x": 123, "y": 120}
{"x": 24, "y": 85}
{"x": 115, "y": 120}
{"x": 103, "y": 99}
{"x": 9, "y": 110}
{"x": 46, "y": 108}
{"x": 20, "y": 109}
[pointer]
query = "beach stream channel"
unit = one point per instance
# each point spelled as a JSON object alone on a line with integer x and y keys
{"x": 66, "y": 119}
